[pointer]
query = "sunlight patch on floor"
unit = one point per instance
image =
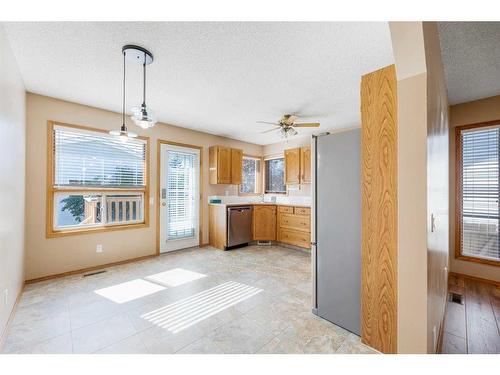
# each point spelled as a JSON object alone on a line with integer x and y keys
{"x": 129, "y": 291}
{"x": 175, "y": 277}
{"x": 191, "y": 310}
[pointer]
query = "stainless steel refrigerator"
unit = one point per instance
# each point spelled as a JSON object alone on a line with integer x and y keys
{"x": 337, "y": 228}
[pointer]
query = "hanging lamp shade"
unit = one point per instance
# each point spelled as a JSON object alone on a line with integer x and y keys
{"x": 143, "y": 116}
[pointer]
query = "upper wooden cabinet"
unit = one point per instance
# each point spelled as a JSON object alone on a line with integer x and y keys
{"x": 236, "y": 166}
{"x": 264, "y": 223}
{"x": 298, "y": 166}
{"x": 305, "y": 165}
{"x": 225, "y": 165}
{"x": 292, "y": 166}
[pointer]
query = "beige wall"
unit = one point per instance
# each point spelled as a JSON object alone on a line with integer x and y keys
{"x": 412, "y": 187}
{"x": 483, "y": 110}
{"x": 278, "y": 149}
{"x": 12, "y": 180}
{"x": 422, "y": 185}
{"x": 57, "y": 255}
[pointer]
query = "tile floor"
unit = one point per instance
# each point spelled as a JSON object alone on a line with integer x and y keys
{"x": 249, "y": 300}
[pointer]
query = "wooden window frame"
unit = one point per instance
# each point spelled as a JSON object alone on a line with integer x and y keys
{"x": 458, "y": 194}
{"x": 51, "y": 190}
{"x": 259, "y": 176}
{"x": 272, "y": 157}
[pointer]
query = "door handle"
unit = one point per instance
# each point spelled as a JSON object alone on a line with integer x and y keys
{"x": 163, "y": 204}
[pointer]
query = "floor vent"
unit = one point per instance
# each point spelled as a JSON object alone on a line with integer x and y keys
{"x": 94, "y": 273}
{"x": 456, "y": 298}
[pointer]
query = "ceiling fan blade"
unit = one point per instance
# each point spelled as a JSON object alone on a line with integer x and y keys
{"x": 266, "y": 122}
{"x": 270, "y": 130}
{"x": 307, "y": 125}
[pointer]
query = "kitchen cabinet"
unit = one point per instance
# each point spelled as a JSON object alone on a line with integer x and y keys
{"x": 264, "y": 223}
{"x": 225, "y": 165}
{"x": 294, "y": 226}
{"x": 236, "y": 166}
{"x": 298, "y": 166}
{"x": 286, "y": 224}
{"x": 292, "y": 166}
{"x": 305, "y": 165}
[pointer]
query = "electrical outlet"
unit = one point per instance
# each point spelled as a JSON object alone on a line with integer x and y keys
{"x": 6, "y": 296}
{"x": 98, "y": 248}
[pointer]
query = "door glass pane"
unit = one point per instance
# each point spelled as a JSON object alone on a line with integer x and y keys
{"x": 181, "y": 194}
{"x": 480, "y": 193}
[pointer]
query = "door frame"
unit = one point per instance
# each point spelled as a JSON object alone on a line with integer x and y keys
{"x": 159, "y": 142}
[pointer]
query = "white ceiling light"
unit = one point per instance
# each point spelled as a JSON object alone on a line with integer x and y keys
{"x": 142, "y": 116}
{"x": 123, "y": 133}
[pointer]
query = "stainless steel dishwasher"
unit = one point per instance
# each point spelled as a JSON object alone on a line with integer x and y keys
{"x": 239, "y": 225}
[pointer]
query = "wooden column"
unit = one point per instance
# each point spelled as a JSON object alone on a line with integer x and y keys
{"x": 379, "y": 210}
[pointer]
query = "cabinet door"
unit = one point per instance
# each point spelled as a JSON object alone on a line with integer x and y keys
{"x": 305, "y": 165}
{"x": 224, "y": 165}
{"x": 292, "y": 166}
{"x": 264, "y": 223}
{"x": 236, "y": 166}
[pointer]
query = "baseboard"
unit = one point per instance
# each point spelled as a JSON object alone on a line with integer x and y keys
{"x": 474, "y": 278}
{"x": 3, "y": 336}
{"x": 88, "y": 269}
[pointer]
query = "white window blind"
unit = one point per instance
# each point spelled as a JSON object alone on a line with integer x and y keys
{"x": 479, "y": 168}
{"x": 95, "y": 159}
{"x": 181, "y": 194}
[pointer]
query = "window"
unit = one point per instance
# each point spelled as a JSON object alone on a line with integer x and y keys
{"x": 275, "y": 175}
{"x": 96, "y": 181}
{"x": 251, "y": 182}
{"x": 478, "y": 193}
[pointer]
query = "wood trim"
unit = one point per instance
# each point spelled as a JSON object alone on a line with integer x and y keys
{"x": 88, "y": 269}
{"x": 159, "y": 142}
{"x": 474, "y": 278}
{"x": 50, "y": 190}
{"x": 3, "y": 336}
{"x": 458, "y": 194}
{"x": 379, "y": 203}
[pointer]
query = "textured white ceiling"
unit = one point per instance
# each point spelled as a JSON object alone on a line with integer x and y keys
{"x": 471, "y": 58}
{"x": 215, "y": 77}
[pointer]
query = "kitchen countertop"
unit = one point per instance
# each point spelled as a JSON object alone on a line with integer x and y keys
{"x": 259, "y": 204}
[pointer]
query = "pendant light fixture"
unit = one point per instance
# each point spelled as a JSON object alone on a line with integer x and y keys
{"x": 142, "y": 116}
{"x": 123, "y": 133}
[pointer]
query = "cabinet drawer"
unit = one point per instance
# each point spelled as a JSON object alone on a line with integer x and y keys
{"x": 302, "y": 211}
{"x": 301, "y": 239}
{"x": 302, "y": 223}
{"x": 286, "y": 209}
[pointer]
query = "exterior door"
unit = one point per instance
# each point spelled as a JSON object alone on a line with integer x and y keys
{"x": 179, "y": 197}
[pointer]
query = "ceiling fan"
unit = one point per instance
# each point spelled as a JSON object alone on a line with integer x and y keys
{"x": 286, "y": 125}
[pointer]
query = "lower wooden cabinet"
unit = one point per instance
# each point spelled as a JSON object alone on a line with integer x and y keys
{"x": 294, "y": 226}
{"x": 295, "y": 237}
{"x": 286, "y": 224}
{"x": 264, "y": 223}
